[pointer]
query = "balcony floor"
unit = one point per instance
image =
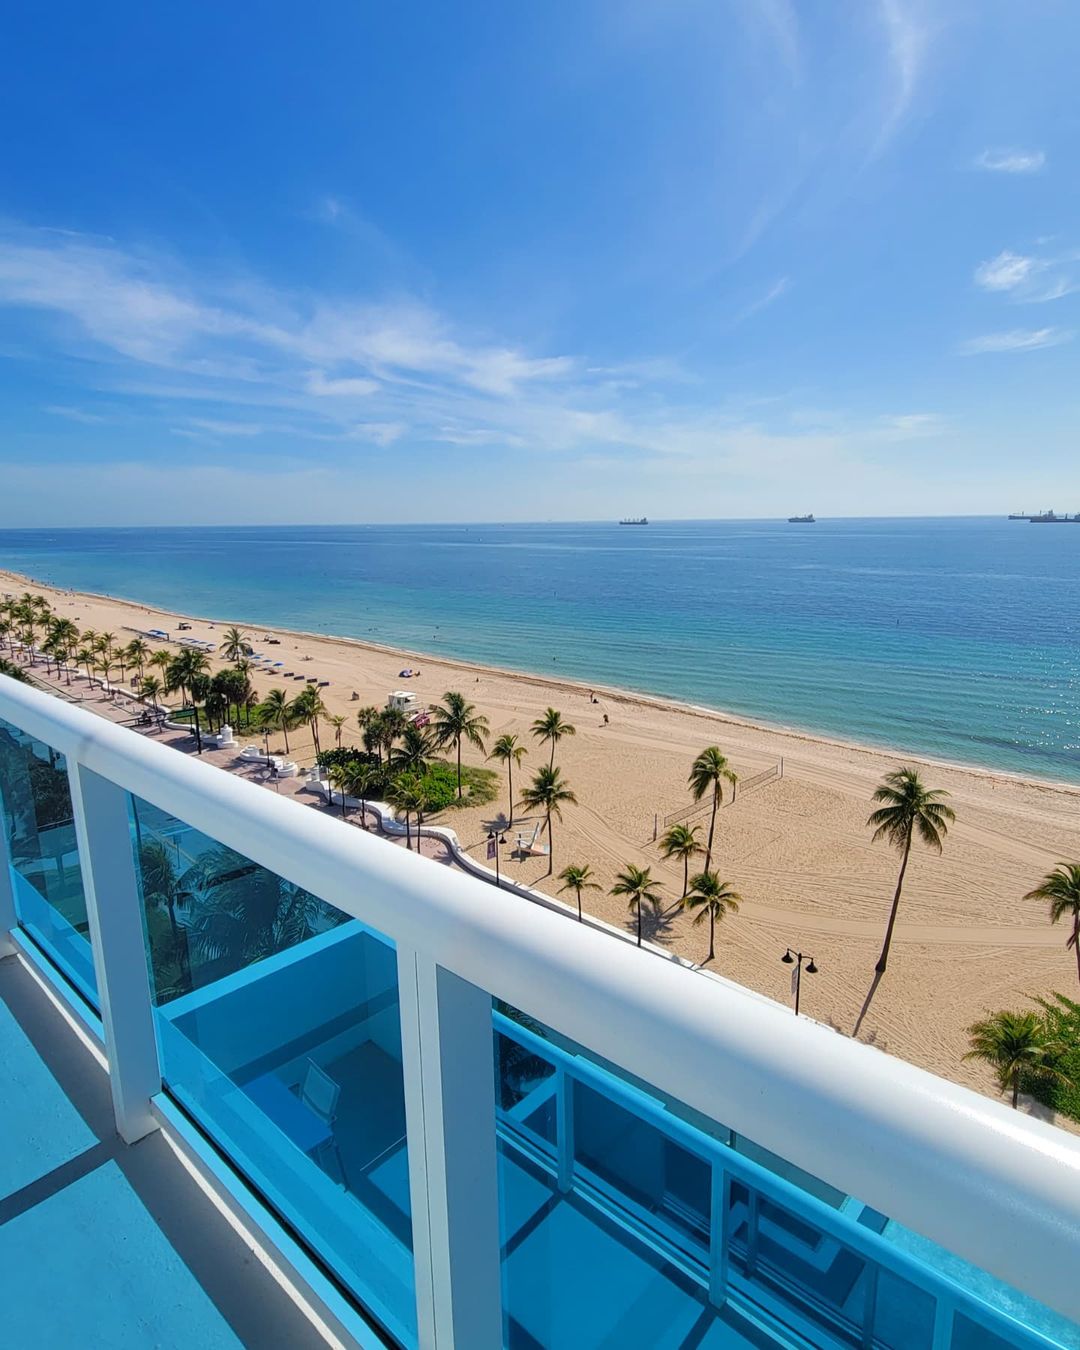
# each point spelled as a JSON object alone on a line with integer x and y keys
{"x": 101, "y": 1244}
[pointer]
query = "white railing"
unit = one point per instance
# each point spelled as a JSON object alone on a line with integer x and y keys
{"x": 995, "y": 1187}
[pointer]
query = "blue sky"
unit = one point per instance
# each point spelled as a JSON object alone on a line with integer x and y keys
{"x": 567, "y": 260}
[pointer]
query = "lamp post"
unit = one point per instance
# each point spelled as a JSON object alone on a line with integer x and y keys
{"x": 494, "y": 840}
{"x": 796, "y": 975}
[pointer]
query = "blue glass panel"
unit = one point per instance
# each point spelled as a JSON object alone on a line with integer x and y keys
{"x": 525, "y": 1089}
{"x": 280, "y": 1034}
{"x": 644, "y": 1167}
{"x": 47, "y": 880}
{"x": 968, "y": 1335}
{"x": 903, "y": 1314}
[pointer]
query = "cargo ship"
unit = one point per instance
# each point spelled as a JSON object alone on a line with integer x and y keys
{"x": 801, "y": 520}
{"x": 639, "y": 520}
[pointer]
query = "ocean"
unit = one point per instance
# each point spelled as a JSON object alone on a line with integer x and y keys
{"x": 957, "y": 638}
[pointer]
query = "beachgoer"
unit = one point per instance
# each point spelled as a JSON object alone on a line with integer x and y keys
{"x": 605, "y": 719}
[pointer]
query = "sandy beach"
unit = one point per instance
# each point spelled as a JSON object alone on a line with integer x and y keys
{"x": 796, "y": 848}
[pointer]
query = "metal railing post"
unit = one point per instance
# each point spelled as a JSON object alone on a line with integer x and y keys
{"x": 447, "y": 1047}
{"x": 114, "y": 916}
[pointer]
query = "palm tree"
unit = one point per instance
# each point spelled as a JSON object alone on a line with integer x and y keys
{"x": 551, "y": 727}
{"x": 909, "y": 806}
{"x": 708, "y": 773}
{"x": 309, "y": 706}
{"x": 507, "y": 750}
{"x": 406, "y": 794}
{"x": 137, "y": 652}
{"x": 1014, "y": 1042}
{"x": 681, "y": 841}
{"x": 548, "y": 793}
{"x": 234, "y": 645}
{"x": 412, "y": 755}
{"x": 149, "y": 689}
{"x": 337, "y": 721}
{"x": 104, "y": 648}
{"x": 66, "y": 636}
{"x": 361, "y": 781}
{"x": 456, "y": 720}
{"x": 277, "y": 712}
{"x": 161, "y": 659}
{"x": 708, "y": 895}
{"x": 390, "y": 724}
{"x": 578, "y": 878}
{"x": 85, "y": 657}
{"x": 1062, "y": 888}
{"x": 637, "y": 885}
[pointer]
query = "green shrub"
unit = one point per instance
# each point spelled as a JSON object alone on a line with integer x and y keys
{"x": 1061, "y": 1017}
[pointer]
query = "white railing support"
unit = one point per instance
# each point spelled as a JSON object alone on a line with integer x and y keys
{"x": 114, "y": 916}
{"x": 448, "y": 1066}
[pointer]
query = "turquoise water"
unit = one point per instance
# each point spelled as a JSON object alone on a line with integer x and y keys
{"x": 958, "y": 638}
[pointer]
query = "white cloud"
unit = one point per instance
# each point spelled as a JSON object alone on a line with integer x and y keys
{"x": 907, "y": 40}
{"x": 1005, "y": 272}
{"x": 222, "y": 428}
{"x": 74, "y": 414}
{"x": 1011, "y": 161}
{"x": 1017, "y": 340}
{"x": 1029, "y": 280}
{"x": 321, "y": 387}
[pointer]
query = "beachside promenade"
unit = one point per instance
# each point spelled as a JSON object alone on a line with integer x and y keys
{"x": 449, "y": 1122}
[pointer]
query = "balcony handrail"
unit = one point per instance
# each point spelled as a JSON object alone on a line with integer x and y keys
{"x": 1000, "y": 1189}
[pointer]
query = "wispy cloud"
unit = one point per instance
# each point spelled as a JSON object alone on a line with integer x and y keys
{"x": 1011, "y": 161}
{"x": 907, "y": 38}
{"x": 74, "y": 414}
{"x": 778, "y": 288}
{"x": 1029, "y": 279}
{"x": 1016, "y": 340}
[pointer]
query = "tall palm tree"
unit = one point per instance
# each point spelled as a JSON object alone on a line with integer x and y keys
{"x": 637, "y": 884}
{"x": 507, "y": 750}
{"x": 276, "y": 712}
{"x": 708, "y": 773}
{"x": 551, "y": 727}
{"x": 337, "y": 721}
{"x": 309, "y": 706}
{"x": 406, "y": 794}
{"x": 85, "y": 657}
{"x": 909, "y": 808}
{"x": 103, "y": 646}
{"x": 161, "y": 659}
{"x": 67, "y": 639}
{"x": 1062, "y": 888}
{"x": 455, "y": 720}
{"x": 234, "y": 645}
{"x": 548, "y": 792}
{"x": 390, "y": 724}
{"x": 150, "y": 689}
{"x": 361, "y": 781}
{"x": 710, "y": 896}
{"x": 413, "y": 754}
{"x": 137, "y": 652}
{"x": 1013, "y": 1042}
{"x": 578, "y": 878}
{"x": 681, "y": 841}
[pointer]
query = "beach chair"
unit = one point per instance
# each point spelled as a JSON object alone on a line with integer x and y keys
{"x": 529, "y": 846}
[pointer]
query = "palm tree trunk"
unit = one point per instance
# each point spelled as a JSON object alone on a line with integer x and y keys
{"x": 459, "y": 768}
{"x": 883, "y": 959}
{"x": 1016, "y": 1088}
{"x": 198, "y": 729}
{"x": 712, "y": 934}
{"x": 510, "y": 790}
{"x": 1076, "y": 941}
{"x": 551, "y": 845}
{"x": 578, "y": 889}
{"x": 551, "y": 761}
{"x": 685, "y": 874}
{"x": 285, "y": 733}
{"x": 712, "y": 824}
{"x": 639, "y": 921}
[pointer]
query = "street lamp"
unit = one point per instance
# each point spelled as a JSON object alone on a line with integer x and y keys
{"x": 797, "y": 960}
{"x": 494, "y": 840}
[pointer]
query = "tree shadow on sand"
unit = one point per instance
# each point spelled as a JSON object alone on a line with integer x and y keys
{"x": 867, "y": 1001}
{"x": 655, "y": 925}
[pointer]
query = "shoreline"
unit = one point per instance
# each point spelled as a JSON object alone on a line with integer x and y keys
{"x": 796, "y": 848}
{"x": 630, "y": 697}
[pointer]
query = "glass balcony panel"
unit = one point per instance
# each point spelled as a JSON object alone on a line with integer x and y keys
{"x": 46, "y": 876}
{"x": 668, "y": 1187}
{"x": 903, "y": 1314}
{"x": 279, "y": 1028}
{"x": 969, "y": 1335}
{"x": 525, "y": 1090}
